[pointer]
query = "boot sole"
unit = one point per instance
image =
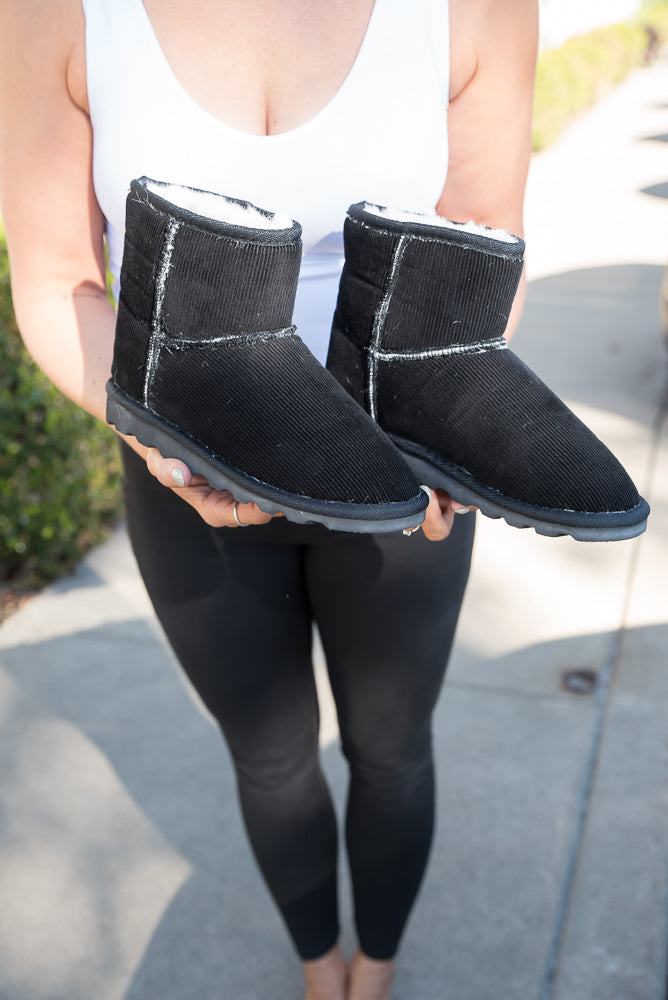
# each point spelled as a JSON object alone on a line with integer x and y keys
{"x": 129, "y": 417}
{"x": 538, "y": 518}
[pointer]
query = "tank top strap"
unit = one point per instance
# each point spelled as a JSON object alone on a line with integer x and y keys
{"x": 120, "y": 47}
{"x": 438, "y": 16}
{"x": 423, "y": 33}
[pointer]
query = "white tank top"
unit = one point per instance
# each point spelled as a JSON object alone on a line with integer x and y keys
{"x": 381, "y": 138}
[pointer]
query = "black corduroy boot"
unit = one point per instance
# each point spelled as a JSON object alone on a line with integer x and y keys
{"x": 208, "y": 367}
{"x": 417, "y": 339}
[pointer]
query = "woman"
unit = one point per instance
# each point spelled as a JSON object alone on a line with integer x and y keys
{"x": 259, "y": 100}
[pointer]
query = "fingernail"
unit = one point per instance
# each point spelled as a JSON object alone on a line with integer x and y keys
{"x": 462, "y": 510}
{"x": 427, "y": 490}
{"x": 177, "y": 476}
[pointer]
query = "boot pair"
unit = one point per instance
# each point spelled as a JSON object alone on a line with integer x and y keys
{"x": 209, "y": 369}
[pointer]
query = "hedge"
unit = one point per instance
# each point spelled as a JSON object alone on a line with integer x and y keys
{"x": 573, "y": 76}
{"x": 59, "y": 467}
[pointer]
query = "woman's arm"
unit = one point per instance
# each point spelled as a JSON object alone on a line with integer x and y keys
{"x": 493, "y": 47}
{"x": 55, "y": 227}
{"x": 493, "y": 58}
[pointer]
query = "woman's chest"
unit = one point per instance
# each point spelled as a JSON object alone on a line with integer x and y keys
{"x": 378, "y": 131}
{"x": 262, "y": 66}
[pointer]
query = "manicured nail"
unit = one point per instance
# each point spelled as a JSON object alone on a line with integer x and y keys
{"x": 462, "y": 510}
{"x": 177, "y": 476}
{"x": 427, "y": 490}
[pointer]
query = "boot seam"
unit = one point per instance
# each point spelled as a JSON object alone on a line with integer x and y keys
{"x": 429, "y": 375}
{"x": 176, "y": 341}
{"x": 379, "y": 319}
{"x": 158, "y": 336}
{"x": 479, "y": 347}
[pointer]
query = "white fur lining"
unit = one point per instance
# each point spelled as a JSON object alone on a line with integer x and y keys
{"x": 432, "y": 219}
{"x": 215, "y": 206}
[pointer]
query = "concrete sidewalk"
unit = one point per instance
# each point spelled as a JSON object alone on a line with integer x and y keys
{"x": 124, "y": 873}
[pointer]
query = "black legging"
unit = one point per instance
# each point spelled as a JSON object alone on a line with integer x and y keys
{"x": 237, "y": 606}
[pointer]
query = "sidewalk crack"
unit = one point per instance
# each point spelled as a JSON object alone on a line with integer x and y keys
{"x": 605, "y": 686}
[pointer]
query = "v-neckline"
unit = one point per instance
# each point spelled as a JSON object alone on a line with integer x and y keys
{"x": 346, "y": 83}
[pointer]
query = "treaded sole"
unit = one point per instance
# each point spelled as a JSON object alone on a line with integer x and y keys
{"x": 432, "y": 476}
{"x": 129, "y": 417}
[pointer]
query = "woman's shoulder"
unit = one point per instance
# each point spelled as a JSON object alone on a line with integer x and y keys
{"x": 484, "y": 31}
{"x": 45, "y": 40}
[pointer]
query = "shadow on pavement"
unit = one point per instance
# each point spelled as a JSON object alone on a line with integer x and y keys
{"x": 121, "y": 825}
{"x": 126, "y": 867}
{"x": 656, "y": 190}
{"x": 593, "y": 336}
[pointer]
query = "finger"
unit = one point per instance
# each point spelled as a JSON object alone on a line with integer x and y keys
{"x": 168, "y": 471}
{"x": 439, "y": 516}
{"x": 459, "y": 508}
{"x": 250, "y": 513}
{"x": 216, "y": 507}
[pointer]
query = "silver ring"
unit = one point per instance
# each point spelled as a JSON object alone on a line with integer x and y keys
{"x": 240, "y": 524}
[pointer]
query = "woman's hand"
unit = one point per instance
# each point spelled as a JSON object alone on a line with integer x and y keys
{"x": 440, "y": 515}
{"x": 216, "y": 507}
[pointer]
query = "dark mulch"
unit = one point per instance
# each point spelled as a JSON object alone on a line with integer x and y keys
{"x": 12, "y": 598}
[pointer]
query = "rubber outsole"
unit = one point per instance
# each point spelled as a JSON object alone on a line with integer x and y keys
{"x": 431, "y": 475}
{"x": 129, "y": 417}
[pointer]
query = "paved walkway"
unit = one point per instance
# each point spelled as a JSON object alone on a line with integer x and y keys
{"x": 123, "y": 870}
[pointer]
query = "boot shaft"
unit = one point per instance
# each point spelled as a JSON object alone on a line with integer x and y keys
{"x": 415, "y": 286}
{"x": 190, "y": 278}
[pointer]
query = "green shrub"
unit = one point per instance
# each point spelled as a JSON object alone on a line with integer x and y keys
{"x": 59, "y": 467}
{"x": 572, "y": 77}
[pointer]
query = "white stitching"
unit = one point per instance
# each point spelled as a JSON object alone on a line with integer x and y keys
{"x": 379, "y": 320}
{"x": 479, "y": 347}
{"x": 157, "y": 331}
{"x": 176, "y": 341}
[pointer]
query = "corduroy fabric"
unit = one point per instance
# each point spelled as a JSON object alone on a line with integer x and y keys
{"x": 218, "y": 283}
{"x": 135, "y": 307}
{"x": 349, "y": 363}
{"x": 523, "y": 430}
{"x": 275, "y": 436}
{"x": 417, "y": 339}
{"x": 254, "y": 284}
{"x": 457, "y": 294}
{"x": 204, "y": 348}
